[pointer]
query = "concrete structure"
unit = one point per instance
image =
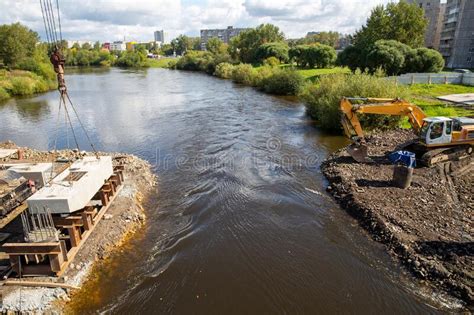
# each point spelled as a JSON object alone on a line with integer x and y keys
{"x": 435, "y": 78}
{"x": 463, "y": 99}
{"x": 4, "y": 153}
{"x": 457, "y": 37}
{"x": 73, "y": 189}
{"x": 434, "y": 12}
{"x": 118, "y": 46}
{"x": 159, "y": 37}
{"x": 39, "y": 172}
{"x": 223, "y": 34}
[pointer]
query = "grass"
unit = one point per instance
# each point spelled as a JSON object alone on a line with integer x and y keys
{"x": 21, "y": 83}
{"x": 424, "y": 96}
{"x": 314, "y": 73}
{"x": 159, "y": 63}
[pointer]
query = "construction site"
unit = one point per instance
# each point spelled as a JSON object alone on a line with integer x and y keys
{"x": 421, "y": 207}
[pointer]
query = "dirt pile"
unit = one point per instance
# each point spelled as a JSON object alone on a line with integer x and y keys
{"x": 124, "y": 217}
{"x": 429, "y": 226}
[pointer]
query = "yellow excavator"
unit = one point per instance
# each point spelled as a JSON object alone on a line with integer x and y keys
{"x": 439, "y": 138}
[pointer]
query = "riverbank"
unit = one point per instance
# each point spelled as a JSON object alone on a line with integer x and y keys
{"x": 124, "y": 218}
{"x": 23, "y": 83}
{"x": 428, "y": 227}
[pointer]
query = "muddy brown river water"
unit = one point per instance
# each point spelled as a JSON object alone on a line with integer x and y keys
{"x": 241, "y": 223}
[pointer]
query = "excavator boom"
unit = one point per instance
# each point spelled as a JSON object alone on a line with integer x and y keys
{"x": 381, "y": 106}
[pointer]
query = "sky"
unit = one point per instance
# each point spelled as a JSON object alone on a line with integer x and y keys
{"x": 136, "y": 20}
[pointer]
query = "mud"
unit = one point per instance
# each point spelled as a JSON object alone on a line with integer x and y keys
{"x": 428, "y": 226}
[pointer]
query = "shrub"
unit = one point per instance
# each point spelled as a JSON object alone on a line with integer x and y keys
{"x": 224, "y": 70}
{"x": 22, "y": 86}
{"x": 283, "y": 82}
{"x": 261, "y": 74}
{"x": 3, "y": 94}
{"x": 424, "y": 60}
{"x": 322, "y": 99}
{"x": 278, "y": 50}
{"x": 271, "y": 61}
{"x": 244, "y": 73}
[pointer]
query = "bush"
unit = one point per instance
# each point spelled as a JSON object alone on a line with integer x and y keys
{"x": 322, "y": 99}
{"x": 424, "y": 60}
{"x": 172, "y": 64}
{"x": 278, "y": 50}
{"x": 4, "y": 94}
{"x": 316, "y": 55}
{"x": 271, "y": 61}
{"x": 22, "y": 86}
{"x": 224, "y": 70}
{"x": 283, "y": 82}
{"x": 244, "y": 74}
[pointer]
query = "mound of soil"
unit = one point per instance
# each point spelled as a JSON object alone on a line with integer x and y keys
{"x": 429, "y": 226}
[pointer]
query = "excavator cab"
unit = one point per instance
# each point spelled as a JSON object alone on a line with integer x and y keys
{"x": 436, "y": 130}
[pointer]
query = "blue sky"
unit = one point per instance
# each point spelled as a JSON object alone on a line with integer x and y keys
{"x": 108, "y": 20}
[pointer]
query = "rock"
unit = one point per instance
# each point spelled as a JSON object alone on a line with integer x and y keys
{"x": 108, "y": 216}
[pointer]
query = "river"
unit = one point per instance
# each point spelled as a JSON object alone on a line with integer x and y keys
{"x": 241, "y": 222}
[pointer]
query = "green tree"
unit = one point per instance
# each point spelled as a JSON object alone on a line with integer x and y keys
{"x": 424, "y": 60}
{"x": 215, "y": 46}
{"x": 400, "y": 21}
{"x": 86, "y": 46}
{"x": 244, "y": 47}
{"x": 278, "y": 50}
{"x": 325, "y": 38}
{"x": 388, "y": 55}
{"x": 17, "y": 42}
{"x": 97, "y": 45}
{"x": 316, "y": 55}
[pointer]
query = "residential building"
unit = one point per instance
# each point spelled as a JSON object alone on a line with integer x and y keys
{"x": 223, "y": 34}
{"x": 344, "y": 41}
{"x": 160, "y": 37}
{"x": 106, "y": 46}
{"x": 457, "y": 37}
{"x": 71, "y": 43}
{"x": 434, "y": 13}
{"x": 130, "y": 46}
{"x": 118, "y": 46}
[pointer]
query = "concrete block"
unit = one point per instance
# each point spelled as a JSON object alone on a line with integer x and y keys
{"x": 39, "y": 172}
{"x": 74, "y": 188}
{"x": 4, "y": 153}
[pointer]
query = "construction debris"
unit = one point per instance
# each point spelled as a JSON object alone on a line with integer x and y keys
{"x": 88, "y": 239}
{"x": 429, "y": 226}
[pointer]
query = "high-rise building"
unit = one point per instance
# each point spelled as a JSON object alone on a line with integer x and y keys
{"x": 223, "y": 34}
{"x": 160, "y": 36}
{"x": 457, "y": 37}
{"x": 434, "y": 12}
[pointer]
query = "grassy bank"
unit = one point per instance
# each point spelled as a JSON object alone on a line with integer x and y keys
{"x": 159, "y": 63}
{"x": 23, "y": 83}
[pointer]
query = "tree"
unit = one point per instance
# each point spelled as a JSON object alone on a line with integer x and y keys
{"x": 17, "y": 42}
{"x": 321, "y": 56}
{"x": 182, "y": 44}
{"x": 86, "y": 46}
{"x": 424, "y": 60}
{"x": 388, "y": 56}
{"x": 401, "y": 21}
{"x": 97, "y": 45}
{"x": 278, "y": 50}
{"x": 352, "y": 57}
{"x": 325, "y": 38}
{"x": 215, "y": 46}
{"x": 244, "y": 46}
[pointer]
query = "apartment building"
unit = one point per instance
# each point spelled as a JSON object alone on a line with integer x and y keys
{"x": 223, "y": 34}
{"x": 457, "y": 37}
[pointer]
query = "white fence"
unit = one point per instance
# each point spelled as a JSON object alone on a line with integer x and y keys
{"x": 435, "y": 78}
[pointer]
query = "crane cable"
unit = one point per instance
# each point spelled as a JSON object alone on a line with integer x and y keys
{"x": 55, "y": 40}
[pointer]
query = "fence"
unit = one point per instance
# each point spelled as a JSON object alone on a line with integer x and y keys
{"x": 435, "y": 78}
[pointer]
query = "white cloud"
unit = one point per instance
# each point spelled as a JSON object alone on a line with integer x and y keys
{"x": 136, "y": 20}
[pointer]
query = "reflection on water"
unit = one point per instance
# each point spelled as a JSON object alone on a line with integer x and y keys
{"x": 241, "y": 223}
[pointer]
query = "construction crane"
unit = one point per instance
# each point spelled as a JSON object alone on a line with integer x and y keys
{"x": 439, "y": 138}
{"x": 54, "y": 38}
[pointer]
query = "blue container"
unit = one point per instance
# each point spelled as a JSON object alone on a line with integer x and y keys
{"x": 406, "y": 158}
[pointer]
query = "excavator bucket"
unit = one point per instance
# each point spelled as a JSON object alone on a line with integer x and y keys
{"x": 358, "y": 152}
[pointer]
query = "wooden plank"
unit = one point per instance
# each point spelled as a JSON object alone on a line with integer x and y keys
{"x": 31, "y": 248}
{"x": 70, "y": 220}
{"x": 40, "y": 284}
{"x": 73, "y": 252}
{"x": 12, "y": 215}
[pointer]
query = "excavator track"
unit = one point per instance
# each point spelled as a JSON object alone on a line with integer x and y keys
{"x": 435, "y": 156}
